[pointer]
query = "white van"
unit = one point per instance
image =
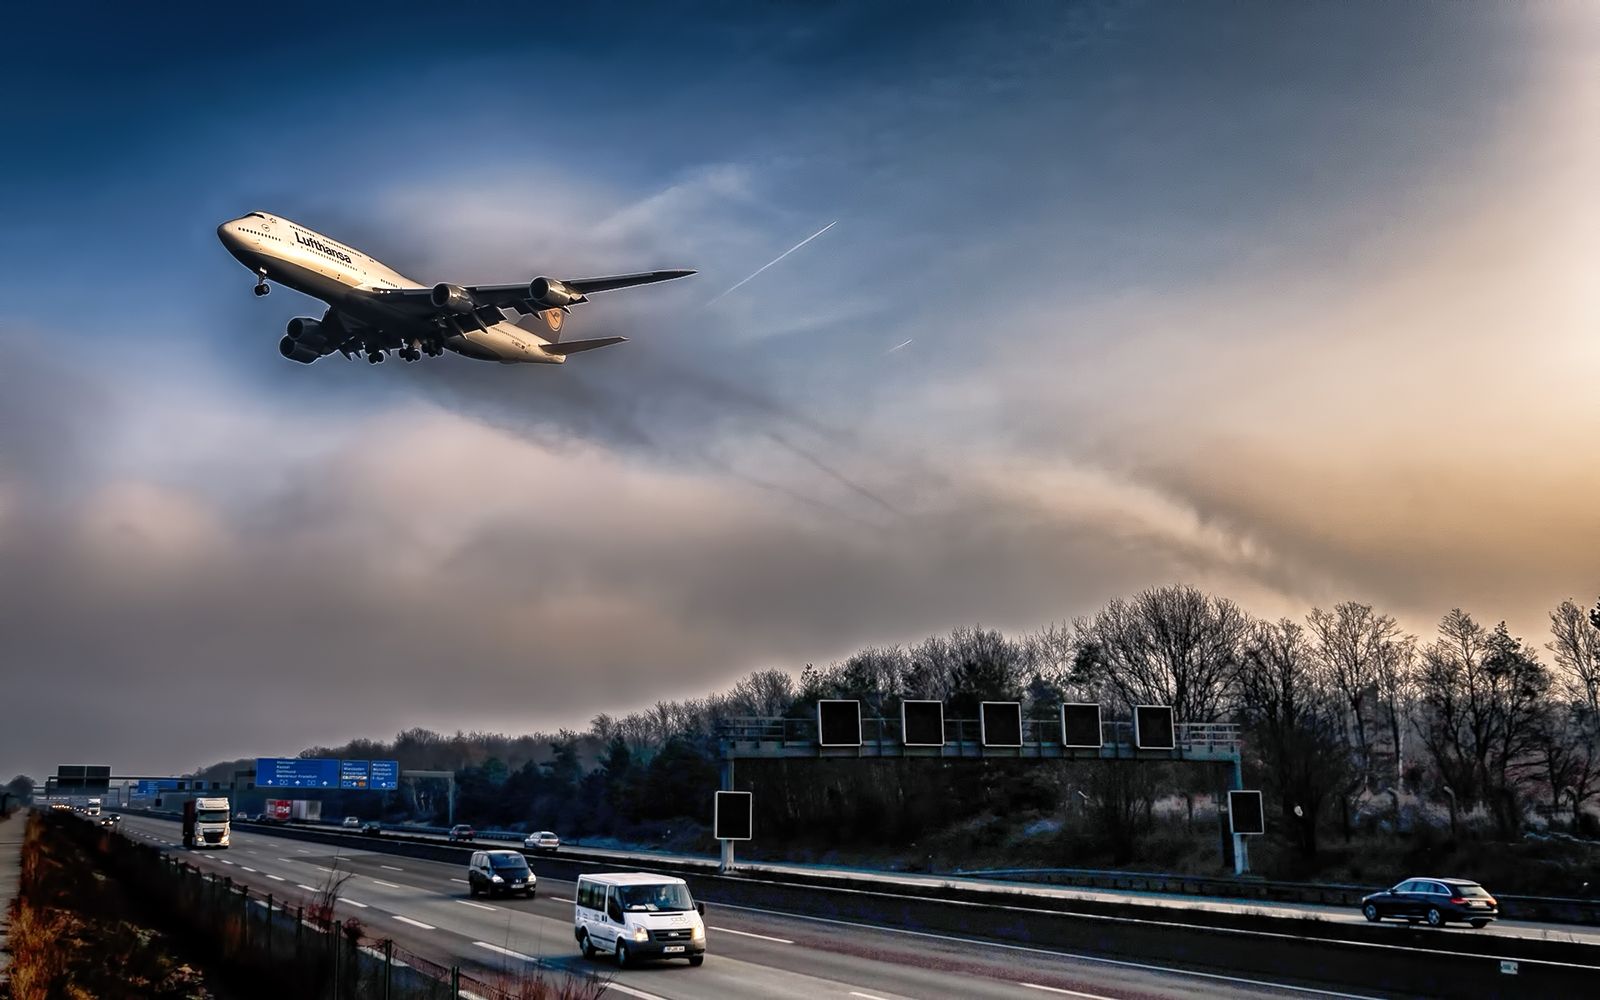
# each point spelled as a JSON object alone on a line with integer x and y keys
{"x": 637, "y": 916}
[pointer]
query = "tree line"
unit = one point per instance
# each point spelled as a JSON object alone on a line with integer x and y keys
{"x": 1341, "y": 711}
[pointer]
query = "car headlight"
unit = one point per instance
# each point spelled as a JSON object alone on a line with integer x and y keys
{"x": 640, "y": 934}
{"x": 497, "y": 879}
{"x": 699, "y": 934}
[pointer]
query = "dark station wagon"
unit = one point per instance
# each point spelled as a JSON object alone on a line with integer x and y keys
{"x": 1435, "y": 900}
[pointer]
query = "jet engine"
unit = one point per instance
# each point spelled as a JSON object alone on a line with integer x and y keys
{"x": 307, "y": 329}
{"x": 296, "y": 350}
{"x": 451, "y": 298}
{"x": 551, "y": 293}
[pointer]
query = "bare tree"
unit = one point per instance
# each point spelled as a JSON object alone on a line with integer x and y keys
{"x": 1576, "y": 647}
{"x": 1480, "y": 694}
{"x": 1168, "y": 646}
{"x": 1397, "y": 688}
{"x": 1293, "y": 717}
{"x": 1350, "y": 640}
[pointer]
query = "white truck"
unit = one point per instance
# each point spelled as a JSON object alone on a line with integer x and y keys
{"x": 205, "y": 822}
{"x": 92, "y": 807}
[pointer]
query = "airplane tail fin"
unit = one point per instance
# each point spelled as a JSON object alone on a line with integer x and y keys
{"x": 547, "y": 326}
{"x": 575, "y": 346}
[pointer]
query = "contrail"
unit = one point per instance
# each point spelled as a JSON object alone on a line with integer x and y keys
{"x": 780, "y": 256}
{"x": 894, "y": 348}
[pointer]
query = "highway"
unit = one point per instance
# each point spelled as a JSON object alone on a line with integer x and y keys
{"x": 424, "y": 906}
{"x": 1015, "y": 891}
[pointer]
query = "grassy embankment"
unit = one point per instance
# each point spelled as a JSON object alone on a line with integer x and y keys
{"x": 75, "y": 935}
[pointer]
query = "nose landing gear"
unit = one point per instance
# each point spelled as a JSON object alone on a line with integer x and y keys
{"x": 262, "y": 287}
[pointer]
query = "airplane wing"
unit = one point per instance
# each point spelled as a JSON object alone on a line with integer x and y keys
{"x": 516, "y": 296}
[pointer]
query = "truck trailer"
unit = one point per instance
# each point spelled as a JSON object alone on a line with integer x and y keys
{"x": 205, "y": 823}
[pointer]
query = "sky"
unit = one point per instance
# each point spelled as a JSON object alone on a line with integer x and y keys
{"x": 1293, "y": 302}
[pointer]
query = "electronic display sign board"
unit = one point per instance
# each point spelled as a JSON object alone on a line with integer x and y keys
{"x": 385, "y": 775}
{"x": 1152, "y": 727}
{"x": 731, "y": 815}
{"x": 838, "y": 723}
{"x": 1000, "y": 723}
{"x": 297, "y": 772}
{"x": 922, "y": 723}
{"x": 1245, "y": 815}
{"x": 354, "y": 773}
{"x": 1080, "y": 726}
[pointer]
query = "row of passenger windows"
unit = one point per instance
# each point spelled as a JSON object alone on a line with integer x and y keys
{"x": 592, "y": 895}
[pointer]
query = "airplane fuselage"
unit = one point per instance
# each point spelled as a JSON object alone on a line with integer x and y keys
{"x": 352, "y": 284}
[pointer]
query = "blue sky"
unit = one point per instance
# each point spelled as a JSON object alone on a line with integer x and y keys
{"x": 1291, "y": 301}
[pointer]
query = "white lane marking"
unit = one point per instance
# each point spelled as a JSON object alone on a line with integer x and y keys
{"x": 352, "y": 902}
{"x": 1068, "y": 954}
{"x": 389, "y": 884}
{"x": 277, "y": 878}
{"x": 225, "y": 862}
{"x": 307, "y": 888}
{"x": 287, "y": 861}
{"x": 865, "y": 996}
{"x": 248, "y": 869}
{"x": 319, "y": 868}
{"x": 302, "y": 850}
{"x": 477, "y": 906}
{"x": 392, "y": 868}
{"x": 505, "y": 951}
{"x": 1068, "y": 993}
{"x": 471, "y": 996}
{"x": 413, "y": 923}
{"x": 764, "y": 937}
{"x": 378, "y": 953}
{"x": 461, "y": 880}
{"x": 641, "y": 994}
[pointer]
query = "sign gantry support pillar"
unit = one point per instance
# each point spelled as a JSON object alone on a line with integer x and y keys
{"x": 727, "y": 845}
{"x": 1241, "y": 843}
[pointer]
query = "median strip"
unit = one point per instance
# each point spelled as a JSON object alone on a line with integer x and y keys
{"x": 763, "y": 937}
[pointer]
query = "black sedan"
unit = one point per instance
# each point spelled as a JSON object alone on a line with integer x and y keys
{"x": 1436, "y": 900}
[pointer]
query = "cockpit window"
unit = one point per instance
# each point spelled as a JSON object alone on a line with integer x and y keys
{"x": 256, "y": 215}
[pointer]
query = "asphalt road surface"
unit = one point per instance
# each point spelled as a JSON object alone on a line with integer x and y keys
{"x": 424, "y": 906}
{"x": 1012, "y": 890}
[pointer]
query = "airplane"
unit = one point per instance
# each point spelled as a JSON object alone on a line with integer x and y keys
{"x": 374, "y": 309}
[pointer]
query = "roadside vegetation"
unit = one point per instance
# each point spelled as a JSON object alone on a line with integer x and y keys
{"x": 1379, "y": 753}
{"x": 75, "y": 933}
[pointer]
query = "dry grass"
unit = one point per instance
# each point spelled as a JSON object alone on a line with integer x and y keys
{"x": 70, "y": 933}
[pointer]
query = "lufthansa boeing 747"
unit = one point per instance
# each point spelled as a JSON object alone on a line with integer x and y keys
{"x": 373, "y": 309}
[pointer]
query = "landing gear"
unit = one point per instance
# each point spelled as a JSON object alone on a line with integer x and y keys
{"x": 262, "y": 287}
{"x": 410, "y": 352}
{"x": 374, "y": 357}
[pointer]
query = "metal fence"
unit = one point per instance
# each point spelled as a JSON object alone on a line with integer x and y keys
{"x": 301, "y": 945}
